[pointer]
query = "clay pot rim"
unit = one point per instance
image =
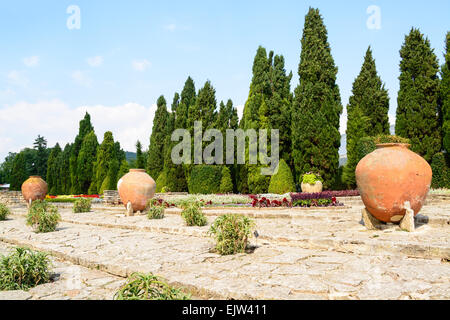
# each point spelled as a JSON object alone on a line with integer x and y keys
{"x": 390, "y": 145}
{"x": 137, "y": 170}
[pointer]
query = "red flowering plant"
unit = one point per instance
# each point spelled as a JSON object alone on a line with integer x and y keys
{"x": 266, "y": 203}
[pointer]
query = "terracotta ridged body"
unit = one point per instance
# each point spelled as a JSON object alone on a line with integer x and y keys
{"x": 136, "y": 187}
{"x": 390, "y": 176}
{"x": 35, "y": 188}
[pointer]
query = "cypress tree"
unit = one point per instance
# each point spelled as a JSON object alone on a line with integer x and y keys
{"x": 140, "y": 164}
{"x": 86, "y": 160}
{"x": 19, "y": 172}
{"x": 367, "y": 113}
{"x": 417, "y": 111}
{"x": 226, "y": 183}
{"x": 42, "y": 153}
{"x": 84, "y": 129}
{"x": 64, "y": 170}
{"x": 317, "y": 105}
{"x": 52, "y": 178}
{"x": 187, "y": 101}
{"x": 445, "y": 96}
{"x": 155, "y": 162}
{"x": 123, "y": 170}
{"x": 105, "y": 154}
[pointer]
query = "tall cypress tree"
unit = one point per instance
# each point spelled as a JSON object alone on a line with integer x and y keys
{"x": 445, "y": 96}
{"x": 86, "y": 160}
{"x": 84, "y": 129}
{"x": 367, "y": 113}
{"x": 19, "y": 172}
{"x": 155, "y": 161}
{"x": 317, "y": 105}
{"x": 64, "y": 170}
{"x": 417, "y": 111}
{"x": 42, "y": 153}
{"x": 105, "y": 154}
{"x": 140, "y": 164}
{"x": 52, "y": 178}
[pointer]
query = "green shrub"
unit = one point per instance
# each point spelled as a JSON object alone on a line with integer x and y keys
{"x": 142, "y": 286}
{"x": 82, "y": 205}
{"x": 161, "y": 182}
{"x": 282, "y": 182}
{"x": 43, "y": 217}
{"x": 4, "y": 212}
{"x": 205, "y": 179}
{"x": 155, "y": 209}
{"x": 311, "y": 178}
{"x": 193, "y": 214}
{"x": 441, "y": 171}
{"x": 226, "y": 183}
{"x": 367, "y": 145}
{"x": 257, "y": 183}
{"x": 23, "y": 269}
{"x": 231, "y": 233}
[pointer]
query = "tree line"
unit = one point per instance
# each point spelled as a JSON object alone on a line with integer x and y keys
{"x": 307, "y": 119}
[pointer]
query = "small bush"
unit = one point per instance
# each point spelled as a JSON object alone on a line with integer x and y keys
{"x": 23, "y": 269}
{"x": 4, "y": 212}
{"x": 282, "y": 182}
{"x": 226, "y": 184}
{"x": 142, "y": 286}
{"x": 311, "y": 178}
{"x": 231, "y": 233}
{"x": 82, "y": 205}
{"x": 205, "y": 179}
{"x": 193, "y": 214}
{"x": 156, "y": 208}
{"x": 43, "y": 217}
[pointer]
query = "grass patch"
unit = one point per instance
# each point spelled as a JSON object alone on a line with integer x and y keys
{"x": 24, "y": 269}
{"x": 142, "y": 286}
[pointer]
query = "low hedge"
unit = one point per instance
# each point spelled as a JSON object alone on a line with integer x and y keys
{"x": 205, "y": 179}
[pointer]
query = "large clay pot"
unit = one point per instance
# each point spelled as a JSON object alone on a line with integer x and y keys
{"x": 390, "y": 176}
{"x": 136, "y": 187}
{"x": 34, "y": 189}
{"x": 312, "y": 188}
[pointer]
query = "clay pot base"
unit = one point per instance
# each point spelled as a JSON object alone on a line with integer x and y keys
{"x": 406, "y": 223}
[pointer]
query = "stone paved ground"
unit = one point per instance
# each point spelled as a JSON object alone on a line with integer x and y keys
{"x": 308, "y": 254}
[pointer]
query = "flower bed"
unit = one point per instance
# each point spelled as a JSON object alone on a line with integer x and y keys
{"x": 321, "y": 199}
{"x": 71, "y": 198}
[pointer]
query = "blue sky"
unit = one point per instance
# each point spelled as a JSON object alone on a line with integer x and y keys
{"x": 127, "y": 53}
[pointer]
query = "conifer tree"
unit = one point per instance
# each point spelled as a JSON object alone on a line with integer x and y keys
{"x": 84, "y": 129}
{"x": 367, "y": 113}
{"x": 123, "y": 170}
{"x": 53, "y": 178}
{"x": 64, "y": 170}
{"x": 42, "y": 153}
{"x": 317, "y": 105}
{"x": 155, "y": 161}
{"x": 85, "y": 162}
{"x": 445, "y": 96}
{"x": 105, "y": 154}
{"x": 140, "y": 164}
{"x": 19, "y": 172}
{"x": 417, "y": 111}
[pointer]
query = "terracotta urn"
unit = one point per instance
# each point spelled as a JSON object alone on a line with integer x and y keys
{"x": 312, "y": 188}
{"x": 34, "y": 189}
{"x": 136, "y": 187}
{"x": 391, "y": 176}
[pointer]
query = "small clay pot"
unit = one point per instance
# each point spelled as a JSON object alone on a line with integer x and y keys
{"x": 35, "y": 188}
{"x": 390, "y": 176}
{"x": 136, "y": 187}
{"x": 312, "y": 188}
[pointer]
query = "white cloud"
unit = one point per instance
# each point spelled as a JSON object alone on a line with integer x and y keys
{"x": 170, "y": 27}
{"x": 140, "y": 65}
{"x": 81, "y": 78}
{"x": 96, "y": 61}
{"x": 31, "y": 61}
{"x": 17, "y": 78}
{"x": 57, "y": 122}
